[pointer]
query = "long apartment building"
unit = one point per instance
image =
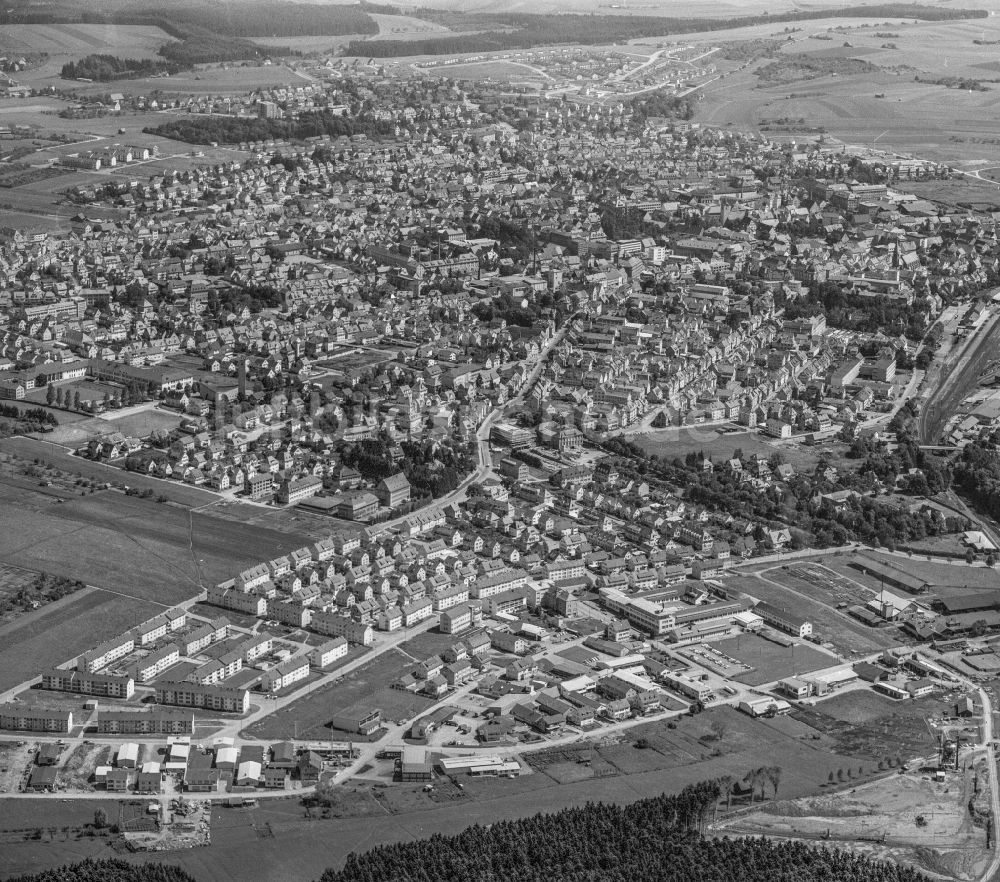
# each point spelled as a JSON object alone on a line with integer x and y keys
{"x": 332, "y": 624}
{"x": 107, "y": 653}
{"x": 498, "y": 582}
{"x": 145, "y": 723}
{"x": 104, "y": 685}
{"x": 216, "y": 698}
{"x": 285, "y": 674}
{"x": 204, "y": 636}
{"x": 156, "y": 663}
{"x": 25, "y": 718}
{"x": 228, "y": 596}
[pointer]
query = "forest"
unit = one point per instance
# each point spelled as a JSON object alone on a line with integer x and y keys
{"x": 213, "y": 49}
{"x": 184, "y": 19}
{"x": 109, "y": 871}
{"x": 506, "y": 31}
{"x": 105, "y": 68}
{"x": 652, "y": 840}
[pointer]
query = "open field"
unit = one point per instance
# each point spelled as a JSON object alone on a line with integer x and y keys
{"x": 365, "y": 687}
{"x": 136, "y": 546}
{"x": 772, "y": 662}
{"x": 77, "y": 40}
{"x": 64, "y": 629}
{"x": 512, "y": 71}
{"x": 53, "y": 456}
{"x": 922, "y": 118}
{"x": 679, "y": 8}
{"x": 207, "y": 79}
{"x": 406, "y": 27}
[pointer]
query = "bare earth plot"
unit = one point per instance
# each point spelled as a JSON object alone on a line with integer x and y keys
{"x": 945, "y": 842}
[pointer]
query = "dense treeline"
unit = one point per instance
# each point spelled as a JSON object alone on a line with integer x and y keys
{"x": 249, "y": 19}
{"x": 109, "y": 871}
{"x": 813, "y": 520}
{"x": 230, "y": 130}
{"x": 213, "y": 49}
{"x": 976, "y": 474}
{"x": 854, "y": 311}
{"x": 806, "y": 65}
{"x": 662, "y": 104}
{"x": 523, "y": 31}
{"x": 652, "y": 840}
{"x": 433, "y": 470}
{"x": 110, "y": 67}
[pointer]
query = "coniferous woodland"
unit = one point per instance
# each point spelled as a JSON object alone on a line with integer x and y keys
{"x": 109, "y": 871}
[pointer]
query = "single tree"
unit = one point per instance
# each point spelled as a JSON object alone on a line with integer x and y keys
{"x": 774, "y": 776}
